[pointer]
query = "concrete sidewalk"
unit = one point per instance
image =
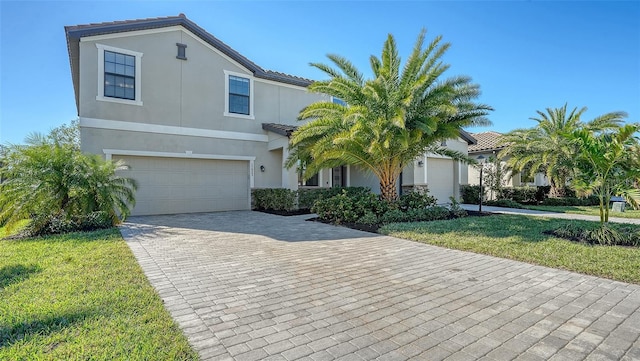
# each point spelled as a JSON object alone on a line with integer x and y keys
{"x": 529, "y": 212}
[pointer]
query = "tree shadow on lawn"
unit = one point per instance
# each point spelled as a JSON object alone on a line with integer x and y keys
{"x": 16, "y": 273}
{"x": 10, "y": 334}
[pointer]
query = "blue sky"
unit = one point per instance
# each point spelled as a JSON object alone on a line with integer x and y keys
{"x": 526, "y": 55}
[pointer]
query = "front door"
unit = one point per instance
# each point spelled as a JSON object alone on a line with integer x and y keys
{"x": 339, "y": 177}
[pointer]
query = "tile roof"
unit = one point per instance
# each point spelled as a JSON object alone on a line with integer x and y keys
{"x": 486, "y": 141}
{"x": 76, "y": 32}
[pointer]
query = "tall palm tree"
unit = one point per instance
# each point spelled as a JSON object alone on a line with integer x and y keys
{"x": 388, "y": 120}
{"x": 545, "y": 147}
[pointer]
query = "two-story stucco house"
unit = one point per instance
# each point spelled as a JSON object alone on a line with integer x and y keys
{"x": 200, "y": 124}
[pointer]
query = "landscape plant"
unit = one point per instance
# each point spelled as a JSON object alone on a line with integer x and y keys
{"x": 49, "y": 181}
{"x": 607, "y": 163}
{"x": 546, "y": 148}
{"x": 383, "y": 123}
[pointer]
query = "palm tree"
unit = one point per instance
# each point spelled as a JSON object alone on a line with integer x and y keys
{"x": 607, "y": 164}
{"x": 545, "y": 147}
{"x": 388, "y": 120}
{"x": 45, "y": 179}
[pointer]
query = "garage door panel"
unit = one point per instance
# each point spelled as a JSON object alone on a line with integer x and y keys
{"x": 440, "y": 178}
{"x": 177, "y": 185}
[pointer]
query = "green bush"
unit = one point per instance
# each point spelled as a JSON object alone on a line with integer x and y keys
{"x": 358, "y": 206}
{"x": 470, "y": 194}
{"x": 416, "y": 200}
{"x": 592, "y": 200}
{"x": 42, "y": 225}
{"x": 349, "y": 205}
{"x": 416, "y": 215}
{"x": 455, "y": 210}
{"x": 522, "y": 195}
{"x": 504, "y": 203}
{"x": 542, "y": 192}
{"x": 308, "y": 196}
{"x": 368, "y": 218}
{"x": 277, "y": 199}
{"x": 603, "y": 235}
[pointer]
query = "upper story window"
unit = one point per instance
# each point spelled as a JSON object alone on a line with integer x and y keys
{"x": 119, "y": 75}
{"x": 238, "y": 95}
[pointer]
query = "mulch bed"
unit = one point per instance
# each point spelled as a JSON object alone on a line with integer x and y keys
{"x": 295, "y": 212}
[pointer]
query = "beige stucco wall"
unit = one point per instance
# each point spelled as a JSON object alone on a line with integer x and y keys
{"x": 187, "y": 94}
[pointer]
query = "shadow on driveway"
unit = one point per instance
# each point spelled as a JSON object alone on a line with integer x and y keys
{"x": 289, "y": 229}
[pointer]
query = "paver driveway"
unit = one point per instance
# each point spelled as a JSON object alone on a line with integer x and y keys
{"x": 253, "y": 286}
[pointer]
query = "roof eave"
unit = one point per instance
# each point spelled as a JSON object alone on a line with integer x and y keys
{"x": 468, "y": 137}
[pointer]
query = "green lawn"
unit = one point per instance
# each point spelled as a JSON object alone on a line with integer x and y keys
{"x": 588, "y": 210}
{"x": 520, "y": 238}
{"x": 81, "y": 296}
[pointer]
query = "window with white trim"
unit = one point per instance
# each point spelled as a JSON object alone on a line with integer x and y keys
{"x": 119, "y": 75}
{"x": 238, "y": 95}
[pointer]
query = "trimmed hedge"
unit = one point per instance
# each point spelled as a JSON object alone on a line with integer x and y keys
{"x": 369, "y": 209}
{"x": 523, "y": 195}
{"x": 307, "y": 197}
{"x": 277, "y": 199}
{"x": 572, "y": 201}
{"x": 504, "y": 203}
{"x": 470, "y": 194}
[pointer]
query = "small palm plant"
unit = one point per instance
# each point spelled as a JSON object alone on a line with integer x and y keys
{"x": 607, "y": 164}
{"x": 45, "y": 179}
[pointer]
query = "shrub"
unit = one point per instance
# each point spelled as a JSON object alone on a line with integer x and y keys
{"x": 368, "y": 218}
{"x": 571, "y": 201}
{"x": 603, "y": 235}
{"x": 504, "y": 203}
{"x": 542, "y": 192}
{"x": 455, "y": 210}
{"x": 393, "y": 215}
{"x": 349, "y": 206}
{"x": 277, "y": 199}
{"x": 416, "y": 215}
{"x": 470, "y": 194}
{"x": 519, "y": 194}
{"x": 63, "y": 223}
{"x": 416, "y": 200}
{"x": 307, "y": 197}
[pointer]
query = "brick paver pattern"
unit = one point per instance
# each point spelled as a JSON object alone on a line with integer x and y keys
{"x": 254, "y": 286}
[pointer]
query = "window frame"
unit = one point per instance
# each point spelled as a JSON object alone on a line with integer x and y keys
{"x": 137, "y": 77}
{"x": 227, "y": 75}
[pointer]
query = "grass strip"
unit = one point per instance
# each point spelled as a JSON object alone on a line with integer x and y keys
{"x": 521, "y": 238}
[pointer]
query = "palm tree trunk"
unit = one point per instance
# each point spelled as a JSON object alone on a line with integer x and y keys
{"x": 556, "y": 192}
{"x": 388, "y": 189}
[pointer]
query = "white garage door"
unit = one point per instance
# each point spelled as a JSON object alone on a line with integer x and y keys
{"x": 440, "y": 178}
{"x": 178, "y": 185}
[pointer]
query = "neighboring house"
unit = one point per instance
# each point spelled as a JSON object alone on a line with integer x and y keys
{"x": 487, "y": 147}
{"x": 200, "y": 124}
